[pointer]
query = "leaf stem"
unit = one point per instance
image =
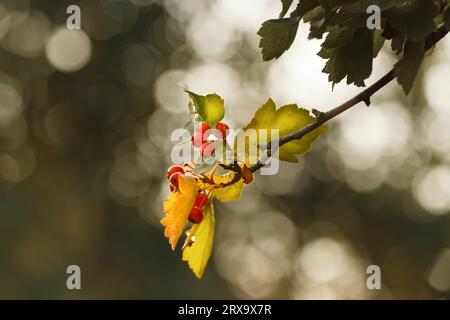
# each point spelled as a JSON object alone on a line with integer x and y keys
{"x": 363, "y": 96}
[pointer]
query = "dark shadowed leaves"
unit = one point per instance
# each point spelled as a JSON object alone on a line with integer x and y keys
{"x": 350, "y": 53}
{"x": 407, "y": 68}
{"x": 415, "y": 19}
{"x": 349, "y": 46}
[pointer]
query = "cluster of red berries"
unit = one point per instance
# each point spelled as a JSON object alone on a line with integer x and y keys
{"x": 199, "y": 139}
{"x": 196, "y": 214}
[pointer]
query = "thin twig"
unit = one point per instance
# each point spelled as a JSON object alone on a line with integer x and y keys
{"x": 364, "y": 96}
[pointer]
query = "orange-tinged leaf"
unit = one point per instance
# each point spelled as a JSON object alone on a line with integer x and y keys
{"x": 177, "y": 208}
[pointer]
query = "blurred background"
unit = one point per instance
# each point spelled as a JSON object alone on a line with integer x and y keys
{"x": 85, "y": 123}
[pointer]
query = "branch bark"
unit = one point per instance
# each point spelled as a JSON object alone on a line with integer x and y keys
{"x": 364, "y": 96}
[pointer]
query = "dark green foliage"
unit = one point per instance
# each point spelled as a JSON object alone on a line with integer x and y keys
{"x": 408, "y": 66}
{"x": 349, "y": 46}
{"x": 277, "y": 36}
{"x": 350, "y": 53}
{"x": 415, "y": 20}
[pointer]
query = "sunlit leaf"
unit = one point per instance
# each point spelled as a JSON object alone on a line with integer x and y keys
{"x": 177, "y": 207}
{"x": 210, "y": 108}
{"x": 287, "y": 119}
{"x": 228, "y": 193}
{"x": 199, "y": 243}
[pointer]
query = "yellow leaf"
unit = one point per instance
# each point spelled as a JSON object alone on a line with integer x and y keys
{"x": 228, "y": 193}
{"x": 177, "y": 208}
{"x": 287, "y": 119}
{"x": 232, "y": 192}
{"x": 199, "y": 243}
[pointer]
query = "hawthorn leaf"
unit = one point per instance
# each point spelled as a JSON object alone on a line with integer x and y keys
{"x": 228, "y": 193}
{"x": 177, "y": 208}
{"x": 277, "y": 36}
{"x": 318, "y": 13}
{"x": 414, "y": 19}
{"x": 287, "y": 119}
{"x": 199, "y": 242}
{"x": 407, "y": 68}
{"x": 210, "y": 108}
{"x": 231, "y": 192}
{"x": 359, "y": 57}
{"x": 350, "y": 53}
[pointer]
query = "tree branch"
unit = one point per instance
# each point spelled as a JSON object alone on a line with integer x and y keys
{"x": 364, "y": 96}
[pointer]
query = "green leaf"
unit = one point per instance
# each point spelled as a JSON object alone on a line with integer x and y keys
{"x": 210, "y": 108}
{"x": 407, "y": 68}
{"x": 315, "y": 14}
{"x": 415, "y": 19}
{"x": 277, "y": 36}
{"x": 319, "y": 20}
{"x": 286, "y": 5}
{"x": 287, "y": 119}
{"x": 198, "y": 245}
{"x": 350, "y": 54}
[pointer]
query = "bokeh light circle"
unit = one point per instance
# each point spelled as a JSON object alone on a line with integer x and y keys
{"x": 68, "y": 50}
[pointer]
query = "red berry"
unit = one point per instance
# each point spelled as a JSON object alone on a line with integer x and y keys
{"x": 173, "y": 169}
{"x": 207, "y": 149}
{"x": 223, "y": 129}
{"x": 174, "y": 179}
{"x": 203, "y": 127}
{"x": 196, "y": 215}
{"x": 201, "y": 199}
{"x": 197, "y": 139}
